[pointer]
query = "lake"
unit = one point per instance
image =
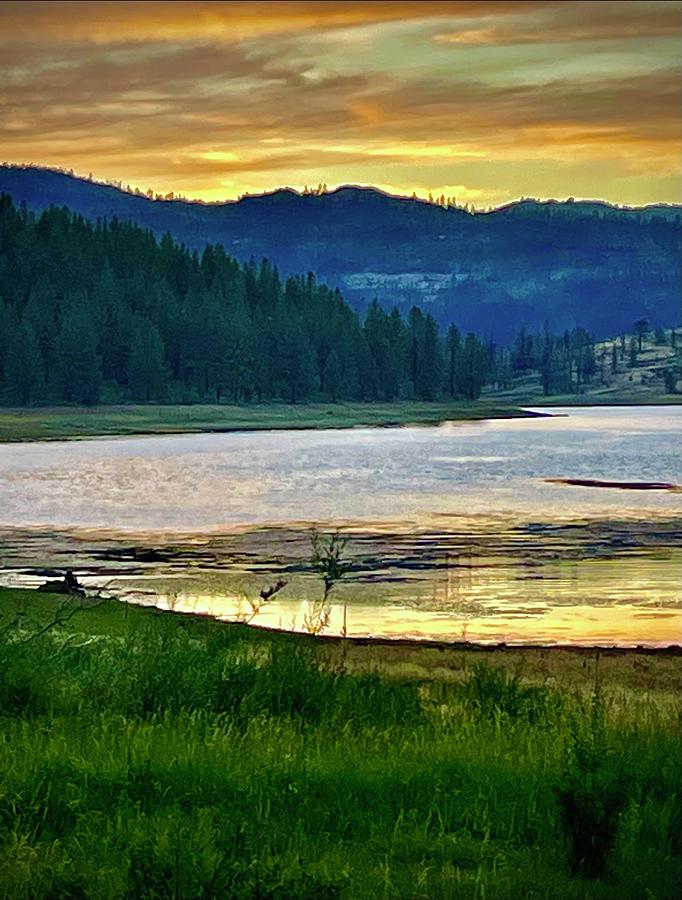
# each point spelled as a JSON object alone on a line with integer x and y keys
{"x": 455, "y": 531}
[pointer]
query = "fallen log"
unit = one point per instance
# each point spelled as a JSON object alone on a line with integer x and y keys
{"x": 621, "y": 485}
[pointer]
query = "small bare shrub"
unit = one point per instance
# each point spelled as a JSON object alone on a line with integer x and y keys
{"x": 328, "y": 561}
{"x": 256, "y": 604}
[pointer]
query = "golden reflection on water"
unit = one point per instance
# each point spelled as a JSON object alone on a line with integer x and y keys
{"x": 549, "y": 585}
{"x": 455, "y": 531}
{"x": 626, "y": 601}
{"x": 587, "y": 625}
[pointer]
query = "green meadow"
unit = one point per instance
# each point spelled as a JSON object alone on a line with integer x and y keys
{"x": 153, "y": 755}
{"x": 60, "y": 422}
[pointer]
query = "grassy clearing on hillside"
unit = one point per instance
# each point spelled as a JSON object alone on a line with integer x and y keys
{"x": 146, "y": 755}
{"x": 53, "y": 423}
{"x": 641, "y": 384}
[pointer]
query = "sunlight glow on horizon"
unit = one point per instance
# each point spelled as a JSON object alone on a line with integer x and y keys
{"x": 488, "y": 102}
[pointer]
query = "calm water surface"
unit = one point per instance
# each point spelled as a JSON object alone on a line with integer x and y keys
{"x": 475, "y": 493}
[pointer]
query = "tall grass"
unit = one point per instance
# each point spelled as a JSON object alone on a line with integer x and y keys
{"x": 153, "y": 756}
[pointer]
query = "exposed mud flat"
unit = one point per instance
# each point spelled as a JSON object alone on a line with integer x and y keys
{"x": 612, "y": 582}
{"x": 374, "y": 548}
{"x": 619, "y": 485}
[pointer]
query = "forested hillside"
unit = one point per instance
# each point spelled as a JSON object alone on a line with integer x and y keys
{"x": 92, "y": 312}
{"x": 570, "y": 264}
{"x": 107, "y": 313}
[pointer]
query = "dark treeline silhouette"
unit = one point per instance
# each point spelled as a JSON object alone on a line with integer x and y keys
{"x": 565, "y": 363}
{"x": 103, "y": 312}
{"x": 568, "y": 263}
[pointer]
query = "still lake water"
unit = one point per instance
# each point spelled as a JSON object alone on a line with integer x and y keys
{"x": 465, "y": 536}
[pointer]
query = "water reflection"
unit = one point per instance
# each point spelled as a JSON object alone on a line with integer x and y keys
{"x": 588, "y": 626}
{"x": 455, "y": 532}
{"x": 190, "y": 482}
{"x": 628, "y": 601}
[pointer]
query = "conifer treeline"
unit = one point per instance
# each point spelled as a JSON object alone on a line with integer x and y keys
{"x": 105, "y": 312}
{"x": 564, "y": 363}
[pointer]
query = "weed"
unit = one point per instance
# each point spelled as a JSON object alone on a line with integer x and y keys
{"x": 594, "y": 793}
{"x": 491, "y": 691}
{"x": 327, "y": 560}
{"x": 150, "y": 755}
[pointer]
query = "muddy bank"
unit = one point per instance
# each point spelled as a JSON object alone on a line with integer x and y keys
{"x": 462, "y": 580}
{"x": 620, "y": 485}
{"x": 377, "y": 553}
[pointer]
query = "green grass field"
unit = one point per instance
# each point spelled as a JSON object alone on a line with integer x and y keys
{"x": 151, "y": 755}
{"x": 528, "y": 392}
{"x": 53, "y": 423}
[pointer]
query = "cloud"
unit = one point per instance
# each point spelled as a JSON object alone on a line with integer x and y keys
{"x": 104, "y": 22}
{"x": 573, "y": 22}
{"x": 644, "y": 107}
{"x": 251, "y": 96}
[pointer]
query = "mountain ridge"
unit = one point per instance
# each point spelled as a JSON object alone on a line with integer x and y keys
{"x": 350, "y": 188}
{"x": 570, "y": 263}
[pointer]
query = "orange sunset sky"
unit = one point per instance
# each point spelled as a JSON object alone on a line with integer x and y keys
{"x": 483, "y": 101}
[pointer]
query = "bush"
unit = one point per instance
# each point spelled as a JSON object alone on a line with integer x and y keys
{"x": 490, "y": 691}
{"x": 26, "y": 685}
{"x": 590, "y": 807}
{"x": 593, "y": 796}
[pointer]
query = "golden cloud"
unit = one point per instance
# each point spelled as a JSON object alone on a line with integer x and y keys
{"x": 205, "y": 95}
{"x": 229, "y": 21}
{"x": 548, "y": 23}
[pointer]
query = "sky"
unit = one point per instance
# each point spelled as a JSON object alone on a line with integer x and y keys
{"x": 482, "y": 101}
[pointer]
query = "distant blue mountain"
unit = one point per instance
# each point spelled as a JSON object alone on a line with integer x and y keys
{"x": 567, "y": 263}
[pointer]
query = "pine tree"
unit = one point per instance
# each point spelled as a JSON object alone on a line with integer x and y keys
{"x": 474, "y": 367}
{"x": 641, "y": 329}
{"x": 366, "y": 370}
{"x": 452, "y": 355}
{"x": 41, "y": 313}
{"x": 430, "y": 363}
{"x": 670, "y": 376}
{"x": 332, "y": 376}
{"x": 548, "y": 362}
{"x": 380, "y": 333}
{"x": 79, "y": 368}
{"x": 8, "y": 325}
{"x": 22, "y": 365}
{"x": 148, "y": 371}
{"x": 415, "y": 339}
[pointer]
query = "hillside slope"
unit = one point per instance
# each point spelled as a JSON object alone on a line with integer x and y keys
{"x": 647, "y": 381}
{"x": 572, "y": 263}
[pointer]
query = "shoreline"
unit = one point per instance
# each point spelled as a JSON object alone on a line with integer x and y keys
{"x": 400, "y": 583}
{"x": 360, "y": 642}
{"x": 49, "y": 424}
{"x": 596, "y": 400}
{"x": 417, "y": 644}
